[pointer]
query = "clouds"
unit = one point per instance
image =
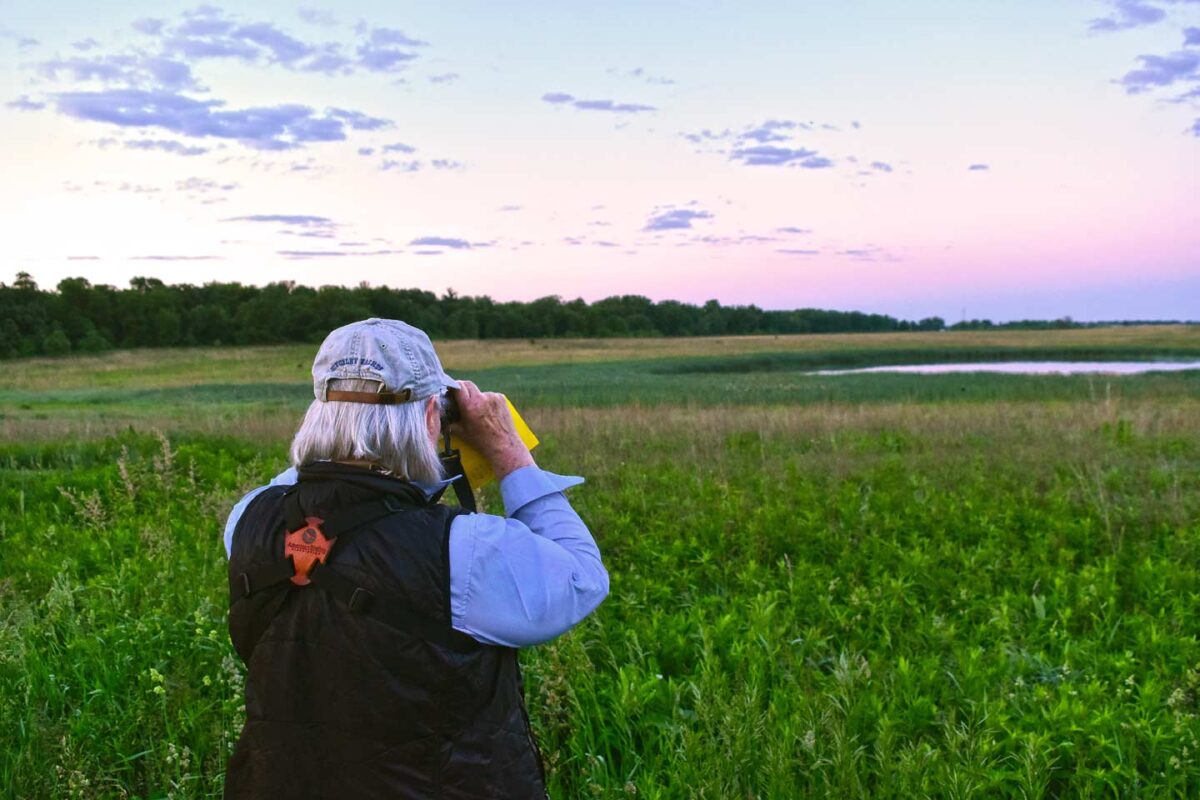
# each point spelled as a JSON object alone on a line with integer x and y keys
{"x": 761, "y": 144}
{"x": 441, "y": 241}
{"x": 1127, "y": 14}
{"x": 387, "y": 49}
{"x": 415, "y": 165}
{"x": 129, "y": 70}
{"x": 562, "y": 98}
{"x": 282, "y": 127}
{"x": 22, "y": 42}
{"x": 23, "y": 103}
{"x": 642, "y": 75}
{"x": 152, "y": 85}
{"x": 203, "y": 185}
{"x": 211, "y": 33}
{"x": 674, "y": 219}
{"x": 358, "y": 120}
{"x": 164, "y": 145}
{"x": 308, "y": 226}
{"x": 317, "y": 16}
{"x": 771, "y": 131}
{"x": 1156, "y": 71}
{"x": 176, "y": 258}
{"x": 299, "y": 255}
{"x": 772, "y": 156}
{"x": 299, "y": 220}
{"x": 978, "y": 168}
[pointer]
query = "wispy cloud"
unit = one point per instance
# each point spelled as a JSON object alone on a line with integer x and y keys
{"x": 398, "y": 147}
{"x": 204, "y": 185}
{"x": 978, "y": 168}
{"x": 674, "y": 219}
{"x": 441, "y": 241}
{"x": 135, "y": 70}
{"x": 1156, "y": 71}
{"x": 20, "y": 40}
{"x": 165, "y": 145}
{"x": 773, "y": 130}
{"x": 23, "y": 103}
{"x": 761, "y": 144}
{"x": 317, "y": 16}
{"x": 445, "y": 77}
{"x": 299, "y": 220}
{"x": 176, "y": 258}
{"x": 641, "y": 74}
{"x": 281, "y": 127}
{"x": 770, "y": 155}
{"x": 562, "y": 98}
{"x": 791, "y": 251}
{"x": 1127, "y": 14}
{"x": 881, "y": 166}
{"x": 394, "y": 165}
{"x": 142, "y": 85}
{"x": 416, "y": 165}
{"x": 312, "y": 254}
{"x": 386, "y": 49}
{"x": 359, "y": 121}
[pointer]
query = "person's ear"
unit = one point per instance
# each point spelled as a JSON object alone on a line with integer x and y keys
{"x": 433, "y": 417}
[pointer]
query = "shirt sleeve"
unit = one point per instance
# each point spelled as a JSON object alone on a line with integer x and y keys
{"x": 528, "y": 577}
{"x": 286, "y": 478}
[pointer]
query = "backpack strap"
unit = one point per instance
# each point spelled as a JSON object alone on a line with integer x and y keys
{"x": 339, "y": 530}
{"x": 336, "y": 534}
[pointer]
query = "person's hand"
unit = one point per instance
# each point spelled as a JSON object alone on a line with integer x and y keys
{"x": 486, "y": 424}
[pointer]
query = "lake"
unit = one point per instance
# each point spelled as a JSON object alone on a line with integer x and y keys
{"x": 1030, "y": 367}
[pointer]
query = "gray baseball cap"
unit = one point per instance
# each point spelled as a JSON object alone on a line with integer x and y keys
{"x": 397, "y": 355}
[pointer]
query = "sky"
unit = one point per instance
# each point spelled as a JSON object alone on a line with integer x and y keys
{"x": 1006, "y": 160}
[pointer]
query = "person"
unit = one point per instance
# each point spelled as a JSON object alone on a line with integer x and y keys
{"x": 380, "y": 628}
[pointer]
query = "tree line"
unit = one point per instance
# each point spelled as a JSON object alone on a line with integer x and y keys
{"x": 78, "y": 316}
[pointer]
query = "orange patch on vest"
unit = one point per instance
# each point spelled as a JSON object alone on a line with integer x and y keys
{"x": 307, "y": 546}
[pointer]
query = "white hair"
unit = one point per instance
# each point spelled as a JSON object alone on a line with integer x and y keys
{"x": 393, "y": 436}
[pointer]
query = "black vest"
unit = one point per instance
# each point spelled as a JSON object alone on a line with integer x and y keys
{"x": 342, "y": 705}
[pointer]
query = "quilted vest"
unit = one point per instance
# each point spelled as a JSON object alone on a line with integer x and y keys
{"x": 341, "y": 704}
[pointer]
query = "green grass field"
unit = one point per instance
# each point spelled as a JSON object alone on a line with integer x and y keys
{"x": 863, "y": 586}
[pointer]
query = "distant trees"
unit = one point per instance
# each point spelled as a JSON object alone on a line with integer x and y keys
{"x": 84, "y": 318}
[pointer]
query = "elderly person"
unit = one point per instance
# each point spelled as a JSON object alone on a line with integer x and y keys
{"x": 379, "y": 628}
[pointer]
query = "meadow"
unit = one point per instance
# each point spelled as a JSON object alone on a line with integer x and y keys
{"x": 861, "y": 586}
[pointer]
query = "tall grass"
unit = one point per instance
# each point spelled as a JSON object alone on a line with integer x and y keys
{"x": 943, "y": 599}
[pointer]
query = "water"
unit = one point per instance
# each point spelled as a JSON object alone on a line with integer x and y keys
{"x": 1030, "y": 368}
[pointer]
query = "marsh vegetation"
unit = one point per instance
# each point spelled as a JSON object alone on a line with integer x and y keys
{"x": 874, "y": 586}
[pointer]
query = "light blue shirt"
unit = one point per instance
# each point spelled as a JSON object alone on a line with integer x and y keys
{"x": 516, "y": 580}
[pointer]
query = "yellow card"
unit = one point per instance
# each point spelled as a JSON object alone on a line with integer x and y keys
{"x": 475, "y": 466}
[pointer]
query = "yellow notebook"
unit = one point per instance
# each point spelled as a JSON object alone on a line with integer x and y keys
{"x": 475, "y": 466}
